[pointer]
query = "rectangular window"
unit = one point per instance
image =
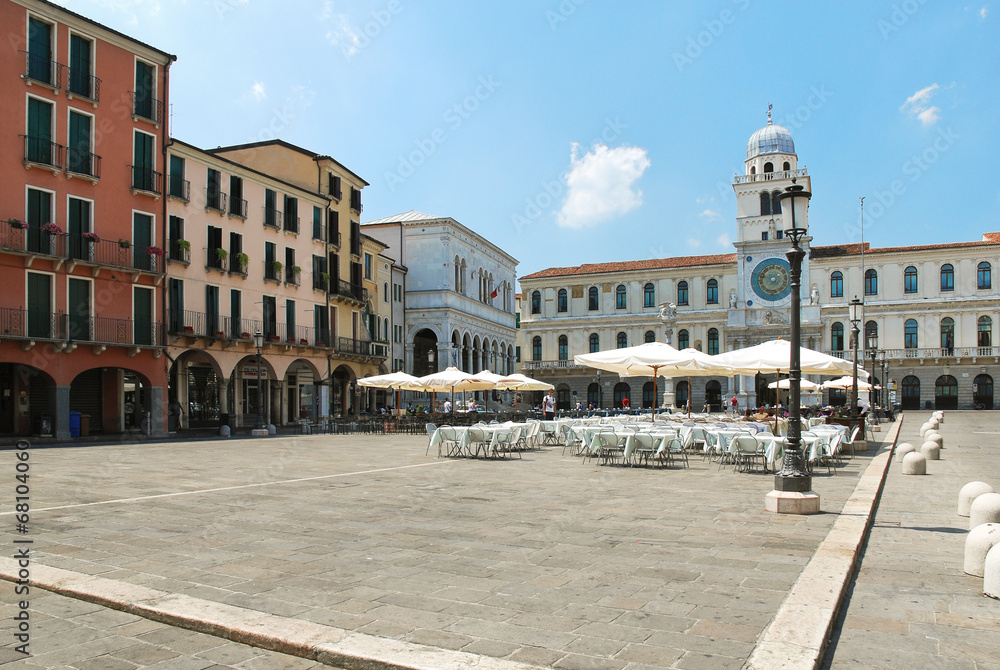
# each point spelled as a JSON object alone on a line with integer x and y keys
{"x": 41, "y": 66}
{"x": 237, "y": 205}
{"x": 763, "y": 237}
{"x": 212, "y": 323}
{"x": 321, "y": 322}
{"x": 270, "y": 318}
{"x": 81, "y": 68}
{"x": 145, "y": 105}
{"x": 333, "y": 227}
{"x": 38, "y": 145}
{"x": 317, "y": 223}
{"x": 356, "y": 200}
{"x": 837, "y": 285}
{"x": 180, "y": 248}
{"x": 236, "y": 329}
{"x": 236, "y": 263}
{"x": 78, "y": 222}
{"x": 292, "y": 214}
{"x": 217, "y": 255}
{"x": 40, "y": 317}
{"x": 80, "y": 159}
{"x": 272, "y": 217}
{"x": 335, "y": 191}
{"x": 39, "y": 213}
{"x": 291, "y": 277}
{"x": 320, "y": 281}
{"x": 142, "y": 316}
{"x": 290, "y": 321}
{"x": 178, "y": 186}
{"x": 214, "y": 198}
{"x": 368, "y": 266}
{"x": 270, "y": 258}
{"x": 175, "y": 305}
{"x": 143, "y": 161}
{"x": 142, "y": 240}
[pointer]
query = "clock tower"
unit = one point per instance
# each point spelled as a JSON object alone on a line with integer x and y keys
{"x": 760, "y": 306}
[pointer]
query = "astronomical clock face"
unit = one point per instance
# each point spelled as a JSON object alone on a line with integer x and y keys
{"x": 769, "y": 279}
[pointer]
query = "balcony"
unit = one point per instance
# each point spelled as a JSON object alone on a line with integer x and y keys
{"x": 351, "y": 347}
{"x": 215, "y": 201}
{"x": 552, "y": 366}
{"x": 272, "y": 273}
{"x": 42, "y": 70}
{"x": 238, "y": 265}
{"x": 146, "y": 180}
{"x": 179, "y": 188}
{"x": 924, "y": 353}
{"x": 320, "y": 282}
{"x": 83, "y": 163}
{"x": 238, "y": 208}
{"x": 232, "y": 330}
{"x": 335, "y": 238}
{"x": 77, "y": 248}
{"x": 145, "y": 106}
{"x": 217, "y": 259}
{"x": 179, "y": 253}
{"x": 82, "y": 84}
{"x": 291, "y": 223}
{"x": 22, "y": 324}
{"x": 291, "y": 276}
{"x": 770, "y": 176}
{"x": 42, "y": 152}
{"x": 344, "y": 289}
{"x": 272, "y": 218}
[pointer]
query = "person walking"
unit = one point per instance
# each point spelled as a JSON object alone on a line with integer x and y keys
{"x": 549, "y": 405}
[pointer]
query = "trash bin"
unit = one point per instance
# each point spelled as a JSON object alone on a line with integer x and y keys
{"x": 84, "y": 425}
{"x": 74, "y": 424}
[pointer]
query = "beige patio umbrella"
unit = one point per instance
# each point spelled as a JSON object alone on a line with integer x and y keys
{"x": 786, "y": 384}
{"x": 486, "y": 375}
{"x": 848, "y": 382}
{"x": 394, "y": 380}
{"x": 653, "y": 358}
{"x": 450, "y": 378}
{"x": 518, "y": 382}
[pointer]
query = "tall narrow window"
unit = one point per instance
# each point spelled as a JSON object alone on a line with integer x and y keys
{"x": 212, "y": 322}
{"x": 910, "y": 334}
{"x": 947, "y": 277}
{"x": 178, "y": 251}
{"x": 593, "y": 299}
{"x": 40, "y": 64}
{"x": 985, "y": 332}
{"x": 178, "y": 187}
{"x": 536, "y": 348}
{"x": 237, "y": 262}
{"x": 78, "y": 223}
{"x": 39, "y": 213}
{"x": 682, "y": 293}
{"x": 290, "y": 334}
{"x": 78, "y": 308}
{"x": 683, "y": 339}
{"x": 765, "y": 204}
{"x": 837, "y": 284}
{"x": 142, "y": 240}
{"x": 79, "y": 158}
{"x": 143, "y": 161}
{"x": 38, "y": 145}
{"x": 291, "y": 214}
{"x": 145, "y": 103}
{"x": 871, "y": 282}
{"x": 142, "y": 315}
{"x": 948, "y": 334}
{"x": 270, "y": 258}
{"x": 712, "y": 292}
{"x": 213, "y": 190}
{"x": 40, "y": 317}
{"x": 910, "y": 280}
{"x": 622, "y": 340}
{"x": 562, "y": 301}
{"x": 837, "y": 336}
{"x": 175, "y": 305}
{"x": 713, "y": 341}
{"x": 620, "y": 297}
{"x": 536, "y": 302}
{"x": 81, "y": 68}
{"x": 595, "y": 343}
{"x": 563, "y": 348}
{"x": 272, "y": 217}
{"x": 984, "y": 276}
{"x": 236, "y": 329}
{"x": 317, "y": 223}
{"x": 237, "y": 204}
{"x": 649, "y": 295}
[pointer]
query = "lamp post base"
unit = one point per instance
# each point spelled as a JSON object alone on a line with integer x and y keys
{"x": 792, "y": 502}
{"x": 259, "y": 432}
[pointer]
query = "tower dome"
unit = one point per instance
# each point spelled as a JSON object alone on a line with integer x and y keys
{"x": 770, "y": 139}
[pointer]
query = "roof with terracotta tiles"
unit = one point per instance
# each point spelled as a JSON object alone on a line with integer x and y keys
{"x": 626, "y": 266}
{"x": 837, "y": 250}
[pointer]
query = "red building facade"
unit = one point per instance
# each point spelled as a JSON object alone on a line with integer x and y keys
{"x": 82, "y": 225}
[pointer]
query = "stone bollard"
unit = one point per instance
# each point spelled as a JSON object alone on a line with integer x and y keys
{"x": 271, "y": 430}
{"x": 939, "y": 415}
{"x": 991, "y": 573}
{"x": 914, "y": 464}
{"x": 978, "y": 543}
{"x": 924, "y": 428}
{"x": 934, "y": 437}
{"x": 225, "y": 431}
{"x": 970, "y": 492}
{"x": 931, "y": 451}
{"x": 904, "y": 449}
{"x": 984, "y": 509}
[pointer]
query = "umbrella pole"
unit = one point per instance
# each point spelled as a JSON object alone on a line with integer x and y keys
{"x": 776, "y": 409}
{"x": 689, "y": 395}
{"x": 653, "y": 415}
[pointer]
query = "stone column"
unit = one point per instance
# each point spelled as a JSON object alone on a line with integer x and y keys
{"x": 60, "y": 422}
{"x": 157, "y": 426}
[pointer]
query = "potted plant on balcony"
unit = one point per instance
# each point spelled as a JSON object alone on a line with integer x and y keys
{"x": 17, "y": 224}
{"x": 276, "y": 267}
{"x": 124, "y": 244}
{"x": 220, "y": 334}
{"x": 274, "y": 338}
{"x": 221, "y": 255}
{"x": 91, "y": 238}
{"x": 296, "y": 270}
{"x": 189, "y": 329}
{"x": 154, "y": 251}
{"x": 52, "y": 229}
{"x": 304, "y": 342}
{"x": 290, "y": 340}
{"x": 183, "y": 245}
{"x": 243, "y": 260}
{"x": 244, "y": 336}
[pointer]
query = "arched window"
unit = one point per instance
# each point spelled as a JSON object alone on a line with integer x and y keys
{"x": 593, "y": 299}
{"x": 946, "y": 392}
{"x": 683, "y": 339}
{"x": 622, "y": 340}
{"x": 985, "y": 336}
{"x": 768, "y": 167}
{"x": 871, "y": 328}
{"x": 982, "y": 391}
{"x": 948, "y": 334}
{"x": 753, "y": 169}
{"x": 650, "y": 336}
{"x": 776, "y": 204}
{"x": 648, "y": 398}
{"x": 786, "y": 166}
{"x": 620, "y": 294}
{"x": 765, "y": 203}
{"x": 910, "y": 388}
{"x": 593, "y": 395}
{"x": 871, "y": 282}
{"x": 713, "y": 395}
{"x": 910, "y": 339}
{"x": 682, "y": 293}
{"x": 536, "y": 348}
{"x": 837, "y": 336}
{"x": 947, "y": 277}
{"x": 563, "y": 348}
{"x": 648, "y": 295}
{"x": 713, "y": 291}
{"x": 595, "y": 343}
{"x": 837, "y": 284}
{"x": 681, "y": 394}
{"x": 536, "y": 302}
{"x": 622, "y": 391}
{"x": 563, "y": 397}
{"x": 984, "y": 276}
{"x": 713, "y": 341}
{"x": 910, "y": 280}
{"x": 385, "y": 291}
{"x": 562, "y": 303}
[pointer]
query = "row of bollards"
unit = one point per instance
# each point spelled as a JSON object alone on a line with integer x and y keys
{"x": 914, "y": 461}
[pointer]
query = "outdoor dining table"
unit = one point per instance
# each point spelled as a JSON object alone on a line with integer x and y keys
{"x": 461, "y": 436}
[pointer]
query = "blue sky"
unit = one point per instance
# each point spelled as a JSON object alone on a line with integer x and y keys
{"x": 578, "y": 131}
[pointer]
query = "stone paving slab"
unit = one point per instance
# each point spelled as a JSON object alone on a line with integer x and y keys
{"x": 540, "y": 560}
{"x": 911, "y": 604}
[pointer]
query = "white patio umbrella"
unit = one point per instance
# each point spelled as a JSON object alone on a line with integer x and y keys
{"x": 450, "y": 378}
{"x": 394, "y": 380}
{"x": 518, "y": 382}
{"x": 489, "y": 376}
{"x": 848, "y": 382}
{"x": 786, "y": 384}
{"x": 653, "y": 358}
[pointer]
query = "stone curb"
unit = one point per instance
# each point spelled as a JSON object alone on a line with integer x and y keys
{"x": 797, "y": 635}
{"x": 317, "y": 642}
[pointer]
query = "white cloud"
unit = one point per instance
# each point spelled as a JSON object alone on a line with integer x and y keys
{"x": 600, "y": 185}
{"x": 257, "y": 90}
{"x": 693, "y": 242}
{"x": 725, "y": 241}
{"x": 983, "y": 12}
{"x": 917, "y": 105}
{"x": 341, "y": 33}
{"x": 710, "y": 215}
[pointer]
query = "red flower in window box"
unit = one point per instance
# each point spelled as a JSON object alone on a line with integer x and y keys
{"x": 244, "y": 336}
{"x": 274, "y": 338}
{"x": 303, "y": 341}
{"x": 154, "y": 251}
{"x": 290, "y": 340}
{"x": 219, "y": 334}
{"x": 188, "y": 329}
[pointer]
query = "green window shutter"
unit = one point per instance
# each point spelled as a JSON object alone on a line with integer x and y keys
{"x": 79, "y": 309}
{"x": 39, "y": 305}
{"x": 142, "y": 311}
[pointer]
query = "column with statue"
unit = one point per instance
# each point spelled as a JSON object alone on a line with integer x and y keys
{"x": 668, "y": 315}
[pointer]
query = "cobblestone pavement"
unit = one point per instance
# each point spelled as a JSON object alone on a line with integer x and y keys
{"x": 912, "y": 606}
{"x": 542, "y": 560}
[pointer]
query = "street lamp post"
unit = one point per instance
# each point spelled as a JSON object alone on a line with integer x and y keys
{"x": 258, "y": 341}
{"x": 873, "y": 352}
{"x": 884, "y": 396}
{"x": 793, "y": 492}
{"x": 854, "y": 308}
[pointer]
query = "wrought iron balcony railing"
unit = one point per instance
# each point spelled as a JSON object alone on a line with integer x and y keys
{"x": 41, "y": 69}
{"x": 215, "y": 200}
{"x": 18, "y": 323}
{"x": 179, "y": 188}
{"x": 146, "y": 180}
{"x": 83, "y": 163}
{"x": 145, "y": 106}
{"x": 83, "y": 84}
{"x": 42, "y": 151}
{"x": 272, "y": 218}
{"x": 238, "y": 207}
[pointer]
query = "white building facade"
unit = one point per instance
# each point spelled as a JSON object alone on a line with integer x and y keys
{"x": 928, "y": 312}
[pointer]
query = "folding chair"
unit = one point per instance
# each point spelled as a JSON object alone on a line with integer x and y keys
{"x": 430, "y": 428}
{"x": 675, "y": 449}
